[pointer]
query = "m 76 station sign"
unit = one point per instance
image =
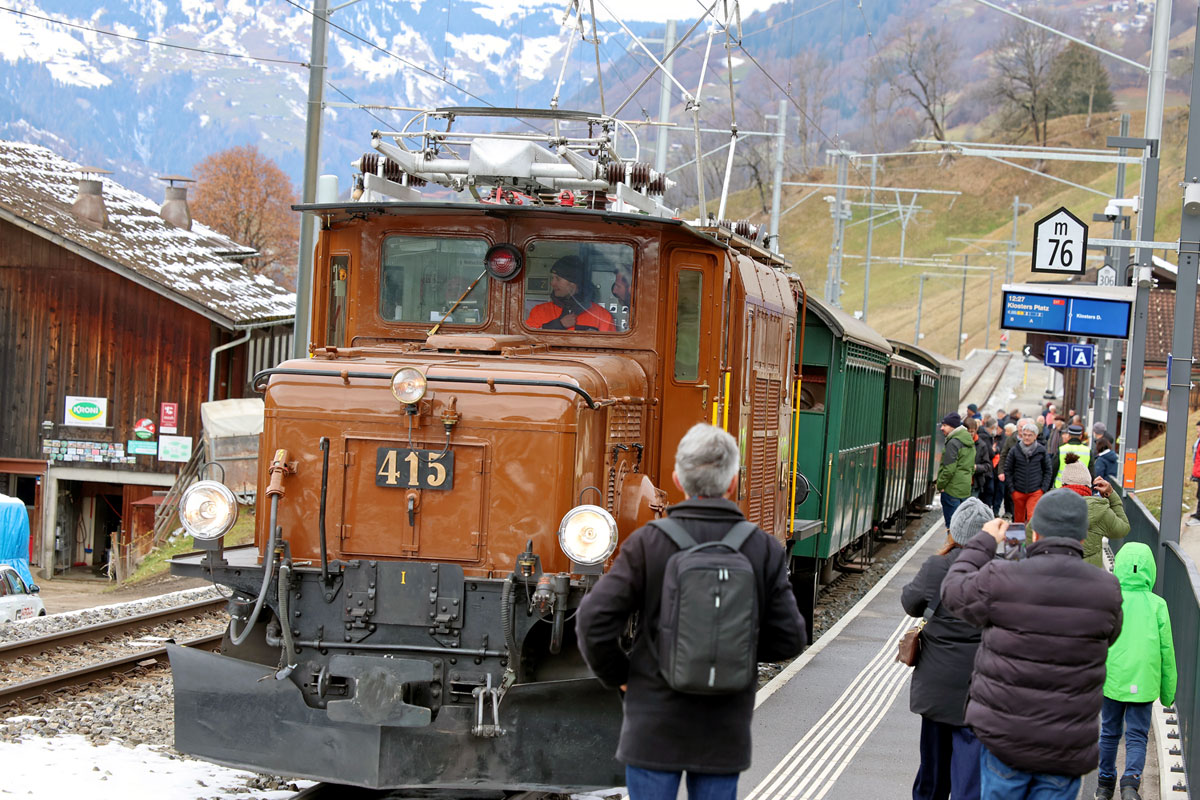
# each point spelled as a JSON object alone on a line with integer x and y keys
{"x": 1060, "y": 243}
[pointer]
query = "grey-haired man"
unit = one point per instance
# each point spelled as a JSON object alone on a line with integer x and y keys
{"x": 666, "y": 733}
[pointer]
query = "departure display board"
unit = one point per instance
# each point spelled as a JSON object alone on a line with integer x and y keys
{"x": 1067, "y": 312}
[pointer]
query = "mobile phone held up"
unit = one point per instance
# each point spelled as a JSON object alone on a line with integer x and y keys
{"x": 1014, "y": 541}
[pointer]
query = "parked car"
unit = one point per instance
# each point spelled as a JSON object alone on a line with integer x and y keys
{"x": 18, "y": 600}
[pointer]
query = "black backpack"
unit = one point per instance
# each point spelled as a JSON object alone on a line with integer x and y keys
{"x": 708, "y": 624}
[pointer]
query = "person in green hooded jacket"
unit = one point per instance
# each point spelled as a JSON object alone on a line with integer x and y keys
{"x": 958, "y": 465}
{"x": 1141, "y": 669}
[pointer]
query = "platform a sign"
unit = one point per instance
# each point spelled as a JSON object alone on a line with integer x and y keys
{"x": 1064, "y": 355}
{"x": 1060, "y": 243}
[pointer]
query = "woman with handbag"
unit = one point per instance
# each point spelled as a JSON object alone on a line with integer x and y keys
{"x": 946, "y": 655}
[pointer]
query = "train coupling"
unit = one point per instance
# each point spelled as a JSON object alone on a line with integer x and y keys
{"x": 487, "y": 697}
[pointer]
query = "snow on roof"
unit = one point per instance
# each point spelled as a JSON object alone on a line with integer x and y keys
{"x": 193, "y": 268}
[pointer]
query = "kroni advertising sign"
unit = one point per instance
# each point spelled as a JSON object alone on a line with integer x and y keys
{"x": 86, "y": 412}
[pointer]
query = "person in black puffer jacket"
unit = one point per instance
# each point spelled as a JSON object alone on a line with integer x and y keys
{"x": 949, "y": 750}
{"x": 1048, "y": 621}
{"x": 1030, "y": 471}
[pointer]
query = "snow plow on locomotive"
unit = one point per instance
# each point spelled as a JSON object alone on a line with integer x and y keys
{"x": 493, "y": 400}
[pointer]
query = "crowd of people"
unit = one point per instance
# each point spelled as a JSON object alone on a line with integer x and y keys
{"x": 1014, "y": 460}
{"x": 1036, "y": 660}
{"x": 1033, "y": 662}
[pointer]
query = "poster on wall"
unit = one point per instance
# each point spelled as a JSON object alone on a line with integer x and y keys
{"x": 174, "y": 448}
{"x": 86, "y": 412}
{"x": 168, "y": 417}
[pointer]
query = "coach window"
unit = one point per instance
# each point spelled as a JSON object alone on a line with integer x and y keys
{"x": 431, "y": 279}
{"x": 579, "y": 286}
{"x": 687, "y": 316}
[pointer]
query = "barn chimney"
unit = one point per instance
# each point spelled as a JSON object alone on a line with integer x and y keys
{"x": 88, "y": 207}
{"x": 175, "y": 208}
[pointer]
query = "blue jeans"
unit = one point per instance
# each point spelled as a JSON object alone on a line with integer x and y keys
{"x": 650, "y": 784}
{"x": 948, "y": 505}
{"x": 949, "y": 763}
{"x": 999, "y": 781}
{"x": 1136, "y": 720}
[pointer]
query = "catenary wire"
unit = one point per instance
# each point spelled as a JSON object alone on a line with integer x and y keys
{"x": 154, "y": 41}
{"x": 382, "y": 121}
{"x": 406, "y": 62}
{"x": 803, "y": 13}
{"x": 788, "y": 95}
{"x": 389, "y": 53}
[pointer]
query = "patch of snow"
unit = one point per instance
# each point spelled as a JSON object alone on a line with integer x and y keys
{"x": 499, "y": 12}
{"x": 538, "y": 56}
{"x": 64, "y": 56}
{"x": 482, "y": 49}
{"x": 69, "y": 766}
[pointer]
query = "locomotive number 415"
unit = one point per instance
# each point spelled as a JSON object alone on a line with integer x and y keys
{"x": 406, "y": 468}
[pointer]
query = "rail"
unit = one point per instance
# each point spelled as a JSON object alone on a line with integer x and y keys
{"x": 101, "y": 630}
{"x": 1179, "y": 584}
{"x": 51, "y": 684}
{"x": 999, "y": 375}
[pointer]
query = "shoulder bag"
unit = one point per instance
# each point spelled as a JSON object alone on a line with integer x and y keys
{"x": 910, "y": 642}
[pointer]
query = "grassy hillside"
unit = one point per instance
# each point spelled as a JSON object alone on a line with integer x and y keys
{"x": 982, "y": 211}
{"x": 1152, "y": 474}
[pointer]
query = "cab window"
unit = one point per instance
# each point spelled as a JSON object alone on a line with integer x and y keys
{"x": 579, "y": 286}
{"x": 427, "y": 279}
{"x": 15, "y": 584}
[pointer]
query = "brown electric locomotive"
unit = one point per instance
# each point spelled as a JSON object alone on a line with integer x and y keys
{"x": 496, "y": 386}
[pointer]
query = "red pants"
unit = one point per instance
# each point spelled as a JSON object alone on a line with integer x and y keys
{"x": 1023, "y": 505}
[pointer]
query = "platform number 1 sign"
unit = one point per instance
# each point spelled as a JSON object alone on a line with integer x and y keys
{"x": 1060, "y": 243}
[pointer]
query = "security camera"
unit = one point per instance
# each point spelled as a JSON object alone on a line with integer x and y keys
{"x": 1113, "y": 209}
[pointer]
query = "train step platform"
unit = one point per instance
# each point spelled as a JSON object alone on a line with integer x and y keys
{"x": 835, "y": 724}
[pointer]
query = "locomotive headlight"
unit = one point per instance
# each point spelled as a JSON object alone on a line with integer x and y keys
{"x": 408, "y": 384}
{"x": 208, "y": 510}
{"x": 588, "y": 534}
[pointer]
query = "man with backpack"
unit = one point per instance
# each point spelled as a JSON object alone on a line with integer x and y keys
{"x": 689, "y": 699}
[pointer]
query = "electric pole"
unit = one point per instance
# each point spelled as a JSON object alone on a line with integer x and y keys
{"x": 664, "y": 104}
{"x": 870, "y": 230}
{"x": 1179, "y": 362}
{"x": 312, "y": 152}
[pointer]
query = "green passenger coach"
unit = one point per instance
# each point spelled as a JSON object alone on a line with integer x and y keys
{"x": 944, "y": 400}
{"x": 840, "y": 427}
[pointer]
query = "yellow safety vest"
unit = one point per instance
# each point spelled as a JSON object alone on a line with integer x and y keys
{"x": 1085, "y": 458}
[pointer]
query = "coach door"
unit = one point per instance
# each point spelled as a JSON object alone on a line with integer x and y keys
{"x": 692, "y": 381}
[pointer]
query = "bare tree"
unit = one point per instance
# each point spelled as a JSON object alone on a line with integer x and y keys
{"x": 810, "y": 89}
{"x": 1022, "y": 60}
{"x": 925, "y": 74}
{"x": 879, "y": 100}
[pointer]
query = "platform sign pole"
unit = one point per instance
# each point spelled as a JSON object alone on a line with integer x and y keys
{"x": 1179, "y": 366}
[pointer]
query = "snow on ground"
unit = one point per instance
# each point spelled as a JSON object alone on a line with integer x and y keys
{"x": 68, "y": 766}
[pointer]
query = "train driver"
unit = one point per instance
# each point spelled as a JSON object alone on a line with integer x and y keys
{"x": 571, "y": 306}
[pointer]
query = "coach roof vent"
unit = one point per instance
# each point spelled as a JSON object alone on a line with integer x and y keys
{"x": 88, "y": 207}
{"x": 175, "y": 206}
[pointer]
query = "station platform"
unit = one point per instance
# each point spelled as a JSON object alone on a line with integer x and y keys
{"x": 835, "y": 724}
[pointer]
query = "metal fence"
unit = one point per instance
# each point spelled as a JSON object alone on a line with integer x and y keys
{"x": 1179, "y": 584}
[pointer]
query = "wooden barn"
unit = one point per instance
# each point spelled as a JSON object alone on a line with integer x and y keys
{"x": 118, "y": 317}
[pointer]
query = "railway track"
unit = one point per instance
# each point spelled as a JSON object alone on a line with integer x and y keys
{"x": 143, "y": 658}
{"x": 83, "y": 676}
{"x": 104, "y": 630}
{"x": 994, "y": 379}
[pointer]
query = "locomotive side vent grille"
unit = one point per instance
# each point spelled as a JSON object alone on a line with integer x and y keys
{"x": 624, "y": 428}
{"x": 625, "y": 424}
